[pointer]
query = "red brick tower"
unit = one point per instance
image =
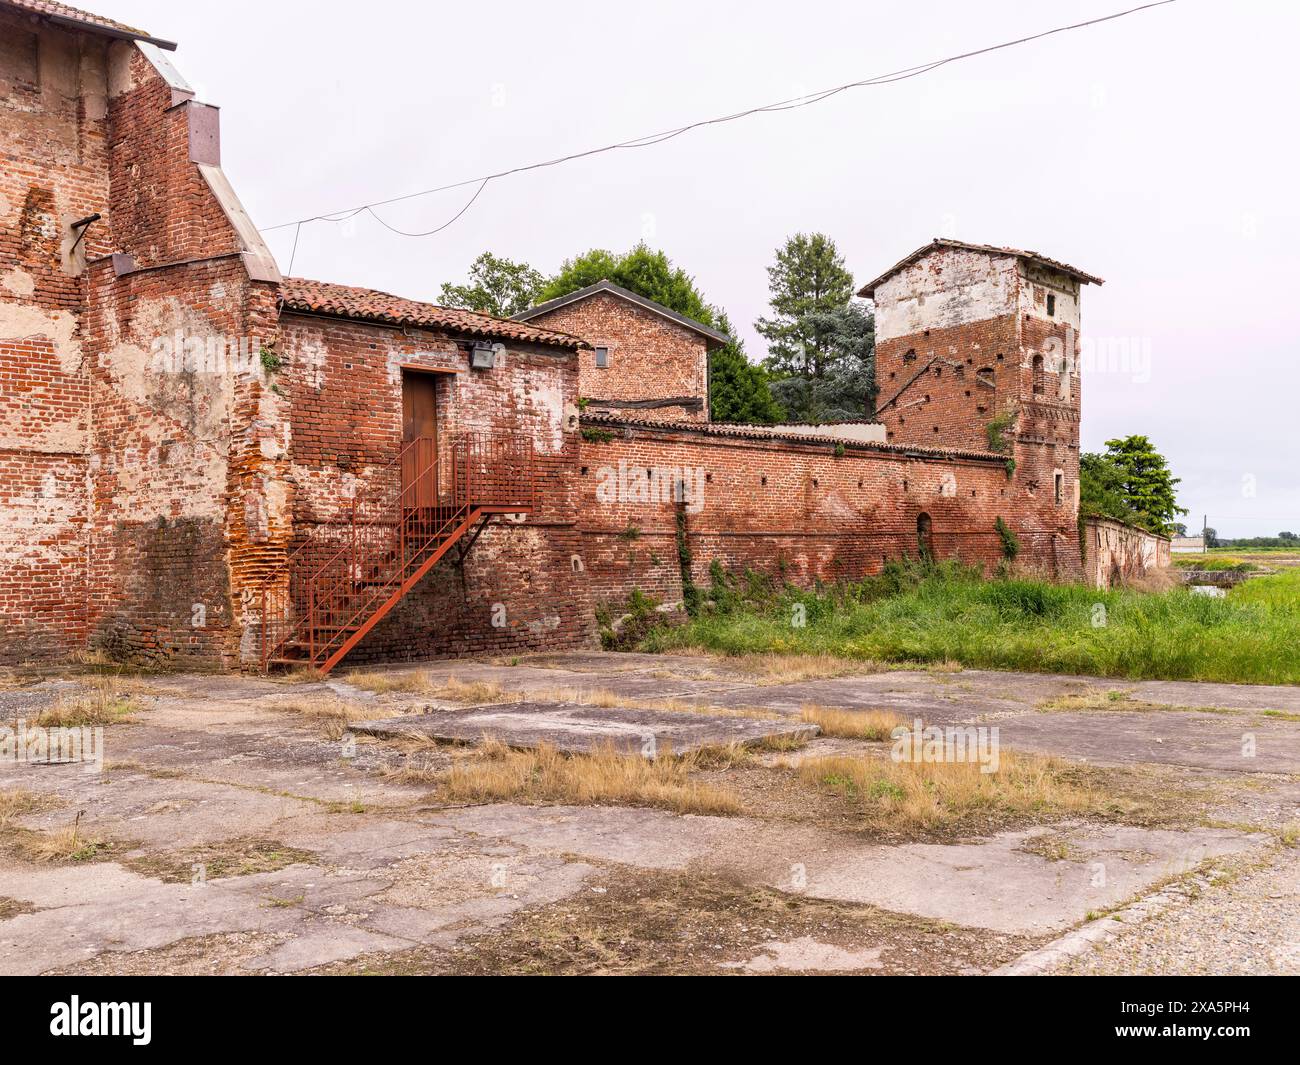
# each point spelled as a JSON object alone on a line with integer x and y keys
{"x": 977, "y": 347}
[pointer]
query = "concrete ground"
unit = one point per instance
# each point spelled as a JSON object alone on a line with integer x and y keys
{"x": 239, "y": 825}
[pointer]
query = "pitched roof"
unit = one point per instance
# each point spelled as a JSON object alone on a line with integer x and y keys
{"x": 74, "y": 17}
{"x": 367, "y": 305}
{"x": 869, "y": 291}
{"x": 777, "y": 433}
{"x": 717, "y": 338}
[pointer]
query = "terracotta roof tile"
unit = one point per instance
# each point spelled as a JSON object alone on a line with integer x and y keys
{"x": 66, "y": 14}
{"x": 768, "y": 432}
{"x": 368, "y": 305}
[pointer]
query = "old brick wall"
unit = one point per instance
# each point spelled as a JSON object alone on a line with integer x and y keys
{"x": 123, "y": 393}
{"x": 800, "y": 510}
{"x": 53, "y": 171}
{"x": 1116, "y": 554}
{"x": 521, "y": 587}
{"x": 650, "y": 357}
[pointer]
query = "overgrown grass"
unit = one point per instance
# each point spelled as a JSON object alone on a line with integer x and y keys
{"x": 909, "y": 796}
{"x": 875, "y": 726}
{"x": 947, "y": 613}
{"x": 497, "y": 773}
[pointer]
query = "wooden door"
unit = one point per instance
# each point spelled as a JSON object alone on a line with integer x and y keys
{"x": 420, "y": 439}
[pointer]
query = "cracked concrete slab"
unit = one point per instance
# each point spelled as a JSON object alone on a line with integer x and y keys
{"x": 378, "y": 871}
{"x": 576, "y": 728}
{"x": 993, "y": 883}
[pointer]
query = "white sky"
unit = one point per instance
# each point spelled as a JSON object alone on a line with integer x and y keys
{"x": 1157, "y": 151}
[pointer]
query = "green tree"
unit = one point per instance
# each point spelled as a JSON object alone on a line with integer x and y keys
{"x": 846, "y": 387}
{"x": 642, "y": 270}
{"x": 738, "y": 390}
{"x": 497, "y": 286}
{"x": 1130, "y": 482}
{"x": 809, "y": 276}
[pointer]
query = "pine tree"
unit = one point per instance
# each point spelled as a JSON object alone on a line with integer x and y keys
{"x": 808, "y": 276}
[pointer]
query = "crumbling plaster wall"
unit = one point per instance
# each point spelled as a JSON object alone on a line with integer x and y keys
{"x": 121, "y": 459}
{"x": 1117, "y": 554}
{"x": 54, "y": 147}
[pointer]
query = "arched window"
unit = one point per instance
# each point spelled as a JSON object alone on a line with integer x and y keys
{"x": 1040, "y": 381}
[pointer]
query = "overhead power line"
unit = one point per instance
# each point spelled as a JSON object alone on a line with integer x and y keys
{"x": 666, "y": 135}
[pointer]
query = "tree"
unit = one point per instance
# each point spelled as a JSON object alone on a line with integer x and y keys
{"x": 846, "y": 387}
{"x": 738, "y": 390}
{"x": 497, "y": 286}
{"x": 808, "y": 276}
{"x": 642, "y": 270}
{"x": 1130, "y": 482}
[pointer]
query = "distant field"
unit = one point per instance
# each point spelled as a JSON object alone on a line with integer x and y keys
{"x": 948, "y": 614}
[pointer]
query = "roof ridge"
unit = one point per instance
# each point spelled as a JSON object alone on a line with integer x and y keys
{"x": 371, "y": 304}
{"x": 728, "y": 430}
{"x": 67, "y": 14}
{"x": 615, "y": 289}
{"x": 868, "y": 291}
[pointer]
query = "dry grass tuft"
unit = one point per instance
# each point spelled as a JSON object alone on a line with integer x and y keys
{"x": 608, "y": 699}
{"x": 790, "y": 669}
{"x": 105, "y": 703}
{"x": 66, "y": 844}
{"x": 497, "y": 773}
{"x": 335, "y": 714}
{"x": 1122, "y": 701}
{"x": 874, "y": 726}
{"x": 423, "y": 682}
{"x": 383, "y": 682}
{"x": 474, "y": 692}
{"x": 905, "y": 796}
{"x": 14, "y": 804}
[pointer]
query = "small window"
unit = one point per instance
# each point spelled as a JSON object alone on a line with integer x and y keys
{"x": 1060, "y": 489}
{"x": 1051, "y": 306}
{"x": 602, "y": 358}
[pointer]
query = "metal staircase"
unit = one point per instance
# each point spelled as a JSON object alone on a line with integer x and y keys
{"x": 351, "y": 571}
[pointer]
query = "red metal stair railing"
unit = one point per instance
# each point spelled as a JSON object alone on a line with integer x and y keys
{"x": 351, "y": 573}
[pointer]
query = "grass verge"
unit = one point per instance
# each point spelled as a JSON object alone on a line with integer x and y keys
{"x": 497, "y": 773}
{"x": 948, "y": 613}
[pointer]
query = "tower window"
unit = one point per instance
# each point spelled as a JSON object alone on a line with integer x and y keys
{"x": 1039, "y": 384}
{"x": 1051, "y": 306}
{"x": 602, "y": 358}
{"x": 1060, "y": 488}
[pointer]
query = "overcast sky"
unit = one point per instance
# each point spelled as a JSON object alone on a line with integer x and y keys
{"x": 1157, "y": 151}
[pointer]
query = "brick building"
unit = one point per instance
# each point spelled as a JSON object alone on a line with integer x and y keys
{"x": 186, "y": 436}
{"x": 205, "y": 462}
{"x": 643, "y": 357}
